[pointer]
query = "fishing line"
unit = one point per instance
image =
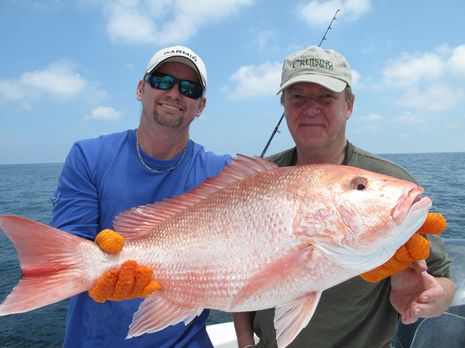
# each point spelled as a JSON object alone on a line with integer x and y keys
{"x": 276, "y": 129}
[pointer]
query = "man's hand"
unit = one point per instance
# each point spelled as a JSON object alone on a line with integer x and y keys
{"x": 130, "y": 281}
{"x": 416, "y": 249}
{"x": 416, "y": 294}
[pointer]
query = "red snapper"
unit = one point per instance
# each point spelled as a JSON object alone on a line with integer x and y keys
{"x": 255, "y": 237}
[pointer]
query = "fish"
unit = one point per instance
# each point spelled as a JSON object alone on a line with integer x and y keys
{"x": 257, "y": 236}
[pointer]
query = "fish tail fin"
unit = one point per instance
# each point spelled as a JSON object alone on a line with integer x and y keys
{"x": 51, "y": 267}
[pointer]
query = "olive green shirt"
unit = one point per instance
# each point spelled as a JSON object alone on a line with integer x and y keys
{"x": 354, "y": 313}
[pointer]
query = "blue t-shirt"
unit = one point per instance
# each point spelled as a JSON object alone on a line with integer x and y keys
{"x": 102, "y": 177}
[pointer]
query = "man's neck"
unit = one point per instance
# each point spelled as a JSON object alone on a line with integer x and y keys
{"x": 161, "y": 144}
{"x": 334, "y": 155}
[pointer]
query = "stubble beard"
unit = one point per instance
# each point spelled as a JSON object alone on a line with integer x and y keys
{"x": 168, "y": 121}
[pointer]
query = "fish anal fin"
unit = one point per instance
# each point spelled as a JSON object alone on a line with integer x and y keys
{"x": 156, "y": 313}
{"x": 281, "y": 270}
{"x": 291, "y": 318}
{"x": 137, "y": 222}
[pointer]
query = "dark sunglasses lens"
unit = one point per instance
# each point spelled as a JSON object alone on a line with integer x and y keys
{"x": 164, "y": 82}
{"x": 190, "y": 89}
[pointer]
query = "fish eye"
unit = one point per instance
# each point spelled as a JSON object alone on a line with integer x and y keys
{"x": 359, "y": 184}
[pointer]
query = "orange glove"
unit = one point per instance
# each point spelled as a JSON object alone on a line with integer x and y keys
{"x": 130, "y": 281}
{"x": 416, "y": 248}
{"x": 110, "y": 241}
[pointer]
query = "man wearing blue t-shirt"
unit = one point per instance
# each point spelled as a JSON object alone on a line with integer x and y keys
{"x": 104, "y": 176}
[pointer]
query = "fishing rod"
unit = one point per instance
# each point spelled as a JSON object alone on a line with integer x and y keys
{"x": 276, "y": 129}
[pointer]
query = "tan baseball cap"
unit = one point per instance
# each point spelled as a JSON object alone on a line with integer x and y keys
{"x": 179, "y": 54}
{"x": 314, "y": 64}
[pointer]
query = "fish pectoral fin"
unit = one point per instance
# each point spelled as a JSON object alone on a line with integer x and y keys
{"x": 155, "y": 314}
{"x": 291, "y": 318}
{"x": 282, "y": 270}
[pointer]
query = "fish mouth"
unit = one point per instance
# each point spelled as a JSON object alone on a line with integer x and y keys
{"x": 409, "y": 203}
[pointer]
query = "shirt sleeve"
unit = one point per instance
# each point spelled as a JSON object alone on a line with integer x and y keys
{"x": 75, "y": 201}
{"x": 438, "y": 261}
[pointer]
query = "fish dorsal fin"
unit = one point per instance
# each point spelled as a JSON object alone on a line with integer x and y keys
{"x": 140, "y": 221}
{"x": 291, "y": 318}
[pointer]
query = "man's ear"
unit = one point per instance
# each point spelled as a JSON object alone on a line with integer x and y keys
{"x": 202, "y": 104}
{"x": 140, "y": 90}
{"x": 350, "y": 107}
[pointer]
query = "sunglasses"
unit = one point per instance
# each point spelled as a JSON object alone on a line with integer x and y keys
{"x": 165, "y": 82}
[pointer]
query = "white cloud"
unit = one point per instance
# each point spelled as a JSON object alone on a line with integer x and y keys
{"x": 372, "y": 118}
{"x": 256, "y": 80}
{"x": 58, "y": 80}
{"x": 427, "y": 81}
{"x": 130, "y": 26}
{"x": 432, "y": 98}
{"x": 409, "y": 118}
{"x": 104, "y": 113}
{"x": 164, "y": 21}
{"x": 262, "y": 38}
{"x": 356, "y": 78}
{"x": 457, "y": 60}
{"x": 408, "y": 70}
{"x": 356, "y": 8}
{"x": 320, "y": 13}
{"x": 11, "y": 90}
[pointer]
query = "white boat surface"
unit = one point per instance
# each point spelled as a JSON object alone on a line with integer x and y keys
{"x": 222, "y": 335}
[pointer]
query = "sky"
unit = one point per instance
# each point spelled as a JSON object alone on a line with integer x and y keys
{"x": 69, "y": 70}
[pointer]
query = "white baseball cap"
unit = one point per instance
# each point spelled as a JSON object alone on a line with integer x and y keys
{"x": 179, "y": 54}
{"x": 314, "y": 64}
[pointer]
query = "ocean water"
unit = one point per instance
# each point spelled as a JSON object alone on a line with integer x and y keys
{"x": 442, "y": 175}
{"x": 25, "y": 191}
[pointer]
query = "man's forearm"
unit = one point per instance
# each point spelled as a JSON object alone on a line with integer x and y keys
{"x": 243, "y": 323}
